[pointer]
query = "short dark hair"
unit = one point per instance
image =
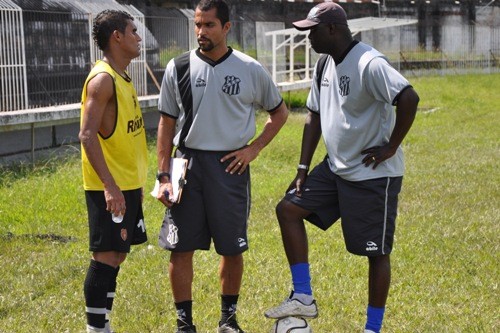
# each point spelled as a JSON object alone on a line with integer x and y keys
{"x": 106, "y": 22}
{"x": 220, "y": 5}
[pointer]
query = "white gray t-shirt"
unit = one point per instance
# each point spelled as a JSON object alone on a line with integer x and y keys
{"x": 356, "y": 107}
{"x": 225, "y": 97}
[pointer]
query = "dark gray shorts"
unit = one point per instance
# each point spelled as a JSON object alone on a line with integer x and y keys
{"x": 367, "y": 208}
{"x": 106, "y": 235}
{"x": 215, "y": 205}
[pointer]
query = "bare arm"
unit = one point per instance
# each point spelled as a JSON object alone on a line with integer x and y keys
{"x": 100, "y": 96}
{"x": 164, "y": 148}
{"x": 247, "y": 154}
{"x": 310, "y": 139}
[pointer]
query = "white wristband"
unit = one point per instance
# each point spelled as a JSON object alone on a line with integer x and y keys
{"x": 302, "y": 167}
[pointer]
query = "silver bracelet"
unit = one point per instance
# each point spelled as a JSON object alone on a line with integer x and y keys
{"x": 302, "y": 167}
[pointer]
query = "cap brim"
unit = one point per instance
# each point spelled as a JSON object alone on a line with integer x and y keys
{"x": 304, "y": 24}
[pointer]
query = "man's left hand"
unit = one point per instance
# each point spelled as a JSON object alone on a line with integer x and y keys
{"x": 377, "y": 154}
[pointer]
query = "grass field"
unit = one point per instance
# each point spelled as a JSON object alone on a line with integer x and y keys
{"x": 445, "y": 262}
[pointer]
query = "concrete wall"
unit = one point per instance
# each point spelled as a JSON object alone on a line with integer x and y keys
{"x": 31, "y": 135}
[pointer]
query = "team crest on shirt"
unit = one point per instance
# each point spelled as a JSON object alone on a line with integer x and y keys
{"x": 123, "y": 234}
{"x": 200, "y": 82}
{"x": 232, "y": 85}
{"x": 173, "y": 236}
{"x": 344, "y": 85}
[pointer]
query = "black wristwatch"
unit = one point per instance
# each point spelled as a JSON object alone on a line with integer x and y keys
{"x": 160, "y": 175}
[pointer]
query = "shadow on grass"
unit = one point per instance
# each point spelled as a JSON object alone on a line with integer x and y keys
{"x": 53, "y": 238}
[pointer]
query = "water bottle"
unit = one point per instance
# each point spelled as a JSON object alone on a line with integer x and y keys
{"x": 117, "y": 218}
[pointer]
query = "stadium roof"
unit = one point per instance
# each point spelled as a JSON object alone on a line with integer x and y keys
{"x": 372, "y": 23}
{"x": 357, "y": 25}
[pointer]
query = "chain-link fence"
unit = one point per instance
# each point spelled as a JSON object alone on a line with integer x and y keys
{"x": 463, "y": 49}
{"x": 47, "y": 49}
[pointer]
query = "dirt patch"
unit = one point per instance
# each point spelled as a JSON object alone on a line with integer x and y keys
{"x": 53, "y": 238}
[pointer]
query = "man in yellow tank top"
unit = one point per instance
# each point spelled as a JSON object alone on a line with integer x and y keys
{"x": 114, "y": 162}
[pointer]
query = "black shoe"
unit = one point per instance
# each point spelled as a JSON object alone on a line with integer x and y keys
{"x": 230, "y": 326}
{"x": 186, "y": 329}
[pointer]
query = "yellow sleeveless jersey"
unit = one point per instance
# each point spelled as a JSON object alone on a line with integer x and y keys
{"x": 125, "y": 149}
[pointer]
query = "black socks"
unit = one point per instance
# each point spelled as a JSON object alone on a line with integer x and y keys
{"x": 96, "y": 286}
{"x": 228, "y": 307}
{"x": 184, "y": 313}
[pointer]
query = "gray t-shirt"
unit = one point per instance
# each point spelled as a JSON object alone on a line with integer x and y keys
{"x": 225, "y": 96}
{"x": 355, "y": 103}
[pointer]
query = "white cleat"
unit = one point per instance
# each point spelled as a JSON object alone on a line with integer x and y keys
{"x": 293, "y": 307}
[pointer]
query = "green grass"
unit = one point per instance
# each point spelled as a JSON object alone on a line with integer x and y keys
{"x": 445, "y": 261}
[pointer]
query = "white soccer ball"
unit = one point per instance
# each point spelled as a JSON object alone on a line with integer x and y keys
{"x": 291, "y": 325}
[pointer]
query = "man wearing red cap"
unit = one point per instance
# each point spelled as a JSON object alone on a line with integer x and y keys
{"x": 351, "y": 104}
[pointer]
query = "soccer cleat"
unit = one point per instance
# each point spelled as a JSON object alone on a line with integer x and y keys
{"x": 293, "y": 308}
{"x": 186, "y": 329}
{"x": 230, "y": 326}
{"x": 369, "y": 331}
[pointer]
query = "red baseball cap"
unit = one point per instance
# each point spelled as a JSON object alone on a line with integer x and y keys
{"x": 325, "y": 12}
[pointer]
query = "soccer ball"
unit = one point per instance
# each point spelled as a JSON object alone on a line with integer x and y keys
{"x": 291, "y": 325}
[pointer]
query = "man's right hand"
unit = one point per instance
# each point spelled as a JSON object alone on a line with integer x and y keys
{"x": 297, "y": 183}
{"x": 115, "y": 201}
{"x": 165, "y": 194}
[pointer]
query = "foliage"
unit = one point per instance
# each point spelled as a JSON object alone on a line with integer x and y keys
{"x": 296, "y": 99}
{"x": 236, "y": 46}
{"x": 169, "y": 53}
{"x": 445, "y": 261}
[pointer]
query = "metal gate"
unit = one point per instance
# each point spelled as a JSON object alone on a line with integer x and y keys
{"x": 41, "y": 71}
{"x": 13, "y": 85}
{"x": 137, "y": 68}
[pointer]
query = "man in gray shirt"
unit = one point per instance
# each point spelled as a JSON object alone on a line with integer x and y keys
{"x": 208, "y": 101}
{"x": 351, "y": 103}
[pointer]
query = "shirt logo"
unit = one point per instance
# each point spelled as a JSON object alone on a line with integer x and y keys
{"x": 123, "y": 234}
{"x": 172, "y": 237}
{"x": 371, "y": 246}
{"x": 344, "y": 85}
{"x": 141, "y": 225}
{"x": 200, "y": 83}
{"x": 232, "y": 85}
{"x": 134, "y": 125}
{"x": 325, "y": 82}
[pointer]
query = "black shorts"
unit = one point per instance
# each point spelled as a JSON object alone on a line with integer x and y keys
{"x": 215, "y": 205}
{"x": 367, "y": 208}
{"x": 106, "y": 235}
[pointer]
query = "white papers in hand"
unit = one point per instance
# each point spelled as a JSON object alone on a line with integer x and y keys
{"x": 178, "y": 168}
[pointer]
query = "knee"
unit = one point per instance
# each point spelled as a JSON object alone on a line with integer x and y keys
{"x": 110, "y": 258}
{"x": 383, "y": 261}
{"x": 181, "y": 258}
{"x": 282, "y": 210}
{"x": 121, "y": 258}
{"x": 288, "y": 212}
{"x": 234, "y": 259}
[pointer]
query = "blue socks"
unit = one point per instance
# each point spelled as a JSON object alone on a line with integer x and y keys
{"x": 374, "y": 318}
{"x": 301, "y": 278}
